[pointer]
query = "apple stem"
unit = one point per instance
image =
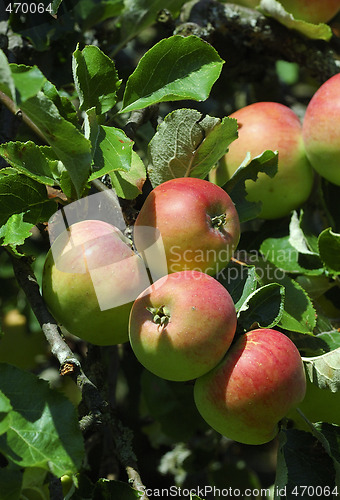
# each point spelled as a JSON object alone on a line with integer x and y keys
{"x": 218, "y": 221}
{"x": 161, "y": 315}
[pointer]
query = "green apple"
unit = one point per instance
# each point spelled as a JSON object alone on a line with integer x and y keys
{"x": 182, "y": 325}
{"x": 273, "y": 126}
{"x": 90, "y": 279}
{"x": 321, "y": 130}
{"x": 258, "y": 382}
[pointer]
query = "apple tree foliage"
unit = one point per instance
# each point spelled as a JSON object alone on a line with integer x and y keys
{"x": 92, "y": 90}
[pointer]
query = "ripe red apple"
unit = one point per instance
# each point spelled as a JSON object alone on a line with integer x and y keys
{"x": 321, "y": 130}
{"x": 182, "y": 325}
{"x": 312, "y": 11}
{"x": 273, "y": 126}
{"x": 260, "y": 379}
{"x": 90, "y": 280}
{"x": 197, "y": 222}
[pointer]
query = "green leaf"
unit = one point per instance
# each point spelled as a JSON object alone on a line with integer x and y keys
{"x": 187, "y": 144}
{"x": 281, "y": 253}
{"x": 235, "y": 187}
{"x": 329, "y": 248}
{"x": 96, "y": 79}
{"x": 6, "y": 79}
{"x": 106, "y": 489}
{"x": 55, "y": 4}
{"x": 31, "y": 160}
{"x": 324, "y": 370}
{"x": 331, "y": 339}
{"x": 217, "y": 138}
{"x": 175, "y": 68}
{"x": 44, "y": 429}
{"x": 309, "y": 345}
{"x": 129, "y": 184}
{"x": 10, "y": 483}
{"x": 331, "y": 441}
{"x": 63, "y": 103}
{"x": 28, "y": 81}
{"x": 15, "y": 231}
{"x": 33, "y": 477}
{"x": 112, "y": 151}
{"x": 5, "y": 408}
{"x": 139, "y": 14}
{"x": 264, "y": 306}
{"x": 297, "y": 237}
{"x": 301, "y": 462}
{"x": 274, "y": 9}
{"x": 67, "y": 142}
{"x": 20, "y": 194}
{"x": 91, "y": 12}
{"x": 240, "y": 281}
{"x": 298, "y": 314}
{"x": 165, "y": 401}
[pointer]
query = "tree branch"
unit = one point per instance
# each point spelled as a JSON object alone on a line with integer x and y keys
{"x": 250, "y": 29}
{"x": 99, "y": 409}
{"x": 138, "y": 118}
{"x": 10, "y": 104}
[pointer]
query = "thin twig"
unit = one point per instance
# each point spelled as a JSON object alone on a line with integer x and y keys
{"x": 10, "y": 104}
{"x": 138, "y": 118}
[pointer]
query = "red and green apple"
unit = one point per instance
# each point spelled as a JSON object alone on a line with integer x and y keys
{"x": 321, "y": 130}
{"x": 258, "y": 382}
{"x": 182, "y": 325}
{"x": 90, "y": 280}
{"x": 270, "y": 126}
{"x": 197, "y": 222}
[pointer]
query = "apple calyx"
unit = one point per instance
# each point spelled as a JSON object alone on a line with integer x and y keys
{"x": 218, "y": 221}
{"x": 161, "y": 315}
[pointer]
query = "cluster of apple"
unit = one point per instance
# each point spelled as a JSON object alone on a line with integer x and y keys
{"x": 182, "y": 326}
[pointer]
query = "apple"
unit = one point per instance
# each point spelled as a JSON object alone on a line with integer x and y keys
{"x": 182, "y": 325}
{"x": 312, "y": 11}
{"x": 321, "y": 130}
{"x": 90, "y": 279}
{"x": 197, "y": 222}
{"x": 258, "y": 382}
{"x": 273, "y": 126}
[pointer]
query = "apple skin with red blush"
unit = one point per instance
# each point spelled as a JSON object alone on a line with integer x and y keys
{"x": 258, "y": 382}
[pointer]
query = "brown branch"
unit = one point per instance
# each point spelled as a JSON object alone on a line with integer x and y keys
{"x": 10, "y": 104}
{"x": 138, "y": 118}
{"x": 99, "y": 409}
